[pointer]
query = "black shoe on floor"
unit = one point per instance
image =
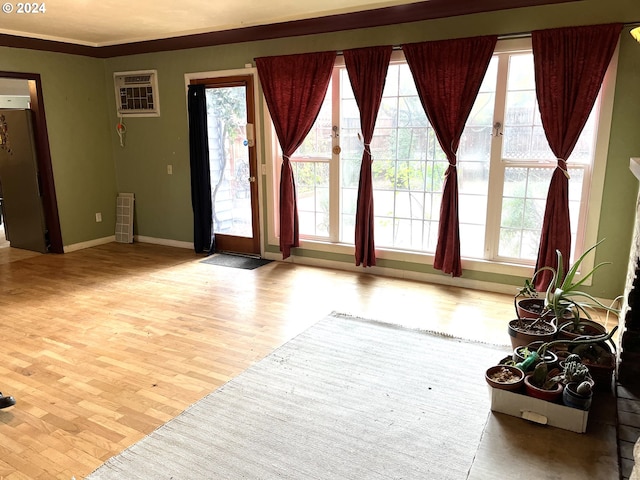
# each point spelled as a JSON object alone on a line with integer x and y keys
{"x": 6, "y": 401}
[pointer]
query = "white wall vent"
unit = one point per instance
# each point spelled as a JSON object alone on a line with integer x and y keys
{"x": 137, "y": 93}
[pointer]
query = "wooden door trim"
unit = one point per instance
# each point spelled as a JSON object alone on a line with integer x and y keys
{"x": 249, "y": 245}
{"x": 49, "y": 199}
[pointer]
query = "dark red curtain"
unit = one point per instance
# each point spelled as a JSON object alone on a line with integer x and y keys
{"x": 294, "y": 88}
{"x": 448, "y": 75}
{"x": 570, "y": 64}
{"x": 367, "y": 69}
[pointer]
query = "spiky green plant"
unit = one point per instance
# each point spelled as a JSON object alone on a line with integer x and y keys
{"x": 564, "y": 296}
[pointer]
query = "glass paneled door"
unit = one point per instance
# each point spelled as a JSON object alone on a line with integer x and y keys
{"x": 233, "y": 163}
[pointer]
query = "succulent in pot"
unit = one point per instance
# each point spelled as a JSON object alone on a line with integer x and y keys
{"x": 522, "y": 352}
{"x": 544, "y": 383}
{"x": 578, "y": 395}
{"x": 601, "y": 361}
{"x": 574, "y": 371}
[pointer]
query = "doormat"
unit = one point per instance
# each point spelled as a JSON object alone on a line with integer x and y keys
{"x": 235, "y": 261}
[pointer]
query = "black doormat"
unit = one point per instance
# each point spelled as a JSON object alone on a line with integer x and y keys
{"x": 235, "y": 261}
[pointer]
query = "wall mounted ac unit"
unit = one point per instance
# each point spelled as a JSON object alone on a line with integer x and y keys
{"x": 137, "y": 93}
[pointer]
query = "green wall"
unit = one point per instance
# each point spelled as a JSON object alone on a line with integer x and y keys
{"x": 90, "y": 166}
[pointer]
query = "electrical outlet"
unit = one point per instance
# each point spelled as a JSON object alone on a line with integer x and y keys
{"x": 98, "y": 217}
{"x": 169, "y": 169}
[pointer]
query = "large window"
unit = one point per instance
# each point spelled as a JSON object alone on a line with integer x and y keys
{"x": 505, "y": 166}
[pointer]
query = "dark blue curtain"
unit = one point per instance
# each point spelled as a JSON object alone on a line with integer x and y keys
{"x": 203, "y": 238}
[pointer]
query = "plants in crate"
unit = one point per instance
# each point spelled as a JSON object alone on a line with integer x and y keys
{"x": 573, "y": 383}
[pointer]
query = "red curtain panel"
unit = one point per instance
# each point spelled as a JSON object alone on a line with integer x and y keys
{"x": 294, "y": 88}
{"x": 448, "y": 75}
{"x": 570, "y": 64}
{"x": 367, "y": 69}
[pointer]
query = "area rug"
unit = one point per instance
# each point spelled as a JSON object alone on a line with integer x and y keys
{"x": 347, "y": 399}
{"x": 235, "y": 261}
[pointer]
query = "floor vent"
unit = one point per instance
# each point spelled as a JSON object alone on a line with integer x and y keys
{"x": 124, "y": 218}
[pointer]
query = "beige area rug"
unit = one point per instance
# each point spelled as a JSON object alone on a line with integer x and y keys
{"x": 346, "y": 399}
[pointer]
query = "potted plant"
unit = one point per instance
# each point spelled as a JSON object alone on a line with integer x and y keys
{"x": 535, "y": 355}
{"x": 533, "y": 322}
{"x": 578, "y": 384}
{"x": 565, "y": 301}
{"x": 522, "y": 352}
{"x": 505, "y": 377}
{"x": 578, "y": 395}
{"x": 523, "y": 331}
{"x": 527, "y": 302}
{"x": 551, "y": 385}
{"x": 543, "y": 383}
{"x": 601, "y": 361}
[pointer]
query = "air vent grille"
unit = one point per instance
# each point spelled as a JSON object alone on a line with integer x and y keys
{"x": 137, "y": 94}
{"x": 137, "y": 79}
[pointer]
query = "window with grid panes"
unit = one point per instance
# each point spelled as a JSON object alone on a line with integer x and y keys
{"x": 504, "y": 166}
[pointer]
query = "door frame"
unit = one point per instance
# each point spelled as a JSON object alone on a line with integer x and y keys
{"x": 200, "y": 78}
{"x": 45, "y": 169}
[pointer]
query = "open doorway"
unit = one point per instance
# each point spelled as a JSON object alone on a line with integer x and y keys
{"x": 14, "y": 93}
{"x": 20, "y": 91}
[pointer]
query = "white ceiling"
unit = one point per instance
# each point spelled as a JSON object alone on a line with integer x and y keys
{"x": 99, "y": 23}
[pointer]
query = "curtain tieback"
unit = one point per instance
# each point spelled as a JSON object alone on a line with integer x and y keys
{"x": 455, "y": 158}
{"x": 366, "y": 146}
{"x": 562, "y": 165}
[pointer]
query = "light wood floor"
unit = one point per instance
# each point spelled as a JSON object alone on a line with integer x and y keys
{"x": 102, "y": 346}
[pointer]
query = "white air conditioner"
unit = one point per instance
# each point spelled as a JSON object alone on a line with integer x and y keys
{"x": 137, "y": 93}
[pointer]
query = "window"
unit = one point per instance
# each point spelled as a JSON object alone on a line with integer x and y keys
{"x": 504, "y": 168}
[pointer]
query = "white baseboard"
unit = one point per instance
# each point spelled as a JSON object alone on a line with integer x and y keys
{"x": 137, "y": 238}
{"x": 163, "y": 241}
{"x": 397, "y": 273}
{"x": 88, "y": 244}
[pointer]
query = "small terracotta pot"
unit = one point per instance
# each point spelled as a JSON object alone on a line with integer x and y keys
{"x": 515, "y": 385}
{"x": 531, "y": 308}
{"x": 547, "y": 395}
{"x": 591, "y": 329}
